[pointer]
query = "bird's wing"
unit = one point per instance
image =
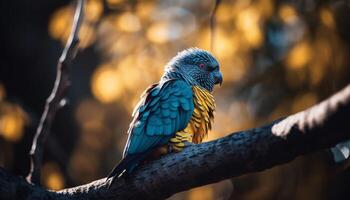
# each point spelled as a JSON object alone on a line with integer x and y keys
{"x": 164, "y": 109}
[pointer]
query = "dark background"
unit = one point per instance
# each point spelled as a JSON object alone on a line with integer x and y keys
{"x": 277, "y": 57}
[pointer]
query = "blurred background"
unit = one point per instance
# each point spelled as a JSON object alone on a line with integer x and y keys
{"x": 277, "y": 56}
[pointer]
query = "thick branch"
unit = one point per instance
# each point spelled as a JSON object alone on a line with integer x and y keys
{"x": 56, "y": 98}
{"x": 319, "y": 127}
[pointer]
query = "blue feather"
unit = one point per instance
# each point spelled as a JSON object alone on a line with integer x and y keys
{"x": 154, "y": 101}
{"x": 167, "y": 111}
{"x": 173, "y": 115}
{"x": 165, "y": 105}
{"x": 155, "y": 91}
{"x": 165, "y": 96}
{"x": 175, "y": 103}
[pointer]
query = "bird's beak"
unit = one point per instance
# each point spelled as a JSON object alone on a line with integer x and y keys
{"x": 218, "y": 78}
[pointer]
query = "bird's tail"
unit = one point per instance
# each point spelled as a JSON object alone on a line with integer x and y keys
{"x": 341, "y": 151}
{"x": 126, "y": 166}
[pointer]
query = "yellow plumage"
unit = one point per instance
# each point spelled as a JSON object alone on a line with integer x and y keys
{"x": 201, "y": 121}
{"x": 203, "y": 115}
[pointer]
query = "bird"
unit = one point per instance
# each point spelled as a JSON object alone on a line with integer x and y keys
{"x": 174, "y": 113}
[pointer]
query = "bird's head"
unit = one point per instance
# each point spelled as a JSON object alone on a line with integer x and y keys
{"x": 197, "y": 67}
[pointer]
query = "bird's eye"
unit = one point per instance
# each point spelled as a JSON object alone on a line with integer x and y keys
{"x": 202, "y": 65}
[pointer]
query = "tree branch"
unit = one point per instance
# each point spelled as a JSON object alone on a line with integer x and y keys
{"x": 56, "y": 98}
{"x": 319, "y": 127}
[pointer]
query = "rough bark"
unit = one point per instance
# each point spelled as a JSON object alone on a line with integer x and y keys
{"x": 319, "y": 127}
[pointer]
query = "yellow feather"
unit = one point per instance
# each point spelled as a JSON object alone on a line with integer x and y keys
{"x": 197, "y": 113}
{"x": 201, "y": 120}
{"x": 203, "y": 113}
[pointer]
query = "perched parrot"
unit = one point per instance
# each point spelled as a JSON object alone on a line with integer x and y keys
{"x": 175, "y": 112}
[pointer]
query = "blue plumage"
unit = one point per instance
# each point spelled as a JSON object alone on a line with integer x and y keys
{"x": 157, "y": 123}
{"x": 163, "y": 110}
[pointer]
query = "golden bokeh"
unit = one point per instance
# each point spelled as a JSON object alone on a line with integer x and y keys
{"x": 114, "y": 3}
{"x": 130, "y": 75}
{"x": 266, "y": 8}
{"x": 54, "y": 181}
{"x": 129, "y": 22}
{"x": 225, "y": 45}
{"x": 203, "y": 193}
{"x": 248, "y": 22}
{"x": 12, "y": 122}
{"x": 52, "y": 175}
{"x": 145, "y": 9}
{"x": 287, "y": 13}
{"x": 11, "y": 127}
{"x": 159, "y": 32}
{"x": 203, "y": 40}
{"x": 224, "y": 12}
{"x": 299, "y": 56}
{"x": 60, "y": 23}
{"x": 93, "y": 10}
{"x": 87, "y": 35}
{"x": 123, "y": 45}
{"x": 327, "y": 18}
{"x": 106, "y": 85}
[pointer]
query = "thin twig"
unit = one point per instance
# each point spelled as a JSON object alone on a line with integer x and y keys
{"x": 213, "y": 24}
{"x": 56, "y": 98}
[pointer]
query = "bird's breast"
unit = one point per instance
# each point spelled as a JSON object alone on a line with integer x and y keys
{"x": 199, "y": 124}
{"x": 203, "y": 114}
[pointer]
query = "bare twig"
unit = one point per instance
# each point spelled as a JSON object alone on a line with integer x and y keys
{"x": 319, "y": 127}
{"x": 56, "y": 98}
{"x": 213, "y": 24}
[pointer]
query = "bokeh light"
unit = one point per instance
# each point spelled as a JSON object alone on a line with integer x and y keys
{"x": 248, "y": 23}
{"x": 106, "y": 85}
{"x": 202, "y": 193}
{"x": 52, "y": 176}
{"x": 299, "y": 56}
{"x": 60, "y": 23}
{"x": 93, "y": 10}
{"x": 114, "y": 3}
{"x": 277, "y": 58}
{"x": 327, "y": 18}
{"x": 287, "y": 13}
{"x": 12, "y": 122}
{"x": 129, "y": 22}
